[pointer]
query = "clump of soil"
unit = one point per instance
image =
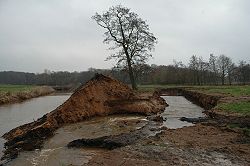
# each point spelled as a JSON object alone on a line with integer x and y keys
{"x": 100, "y": 96}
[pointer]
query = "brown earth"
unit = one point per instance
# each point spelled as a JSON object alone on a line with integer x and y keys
{"x": 7, "y": 98}
{"x": 196, "y": 145}
{"x": 206, "y": 143}
{"x": 210, "y": 138}
{"x": 100, "y": 96}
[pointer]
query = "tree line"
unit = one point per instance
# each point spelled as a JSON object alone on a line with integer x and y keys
{"x": 218, "y": 70}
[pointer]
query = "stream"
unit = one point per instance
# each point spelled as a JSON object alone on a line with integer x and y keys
{"x": 55, "y": 152}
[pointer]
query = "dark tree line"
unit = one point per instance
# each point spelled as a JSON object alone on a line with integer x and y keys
{"x": 218, "y": 70}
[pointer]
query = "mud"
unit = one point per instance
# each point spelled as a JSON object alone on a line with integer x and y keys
{"x": 100, "y": 96}
{"x": 194, "y": 120}
{"x": 115, "y": 141}
{"x": 194, "y": 145}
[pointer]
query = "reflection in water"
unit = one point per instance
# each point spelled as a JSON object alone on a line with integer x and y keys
{"x": 14, "y": 115}
{"x": 179, "y": 107}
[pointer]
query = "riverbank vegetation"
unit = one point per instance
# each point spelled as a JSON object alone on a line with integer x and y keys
{"x": 5, "y": 88}
{"x": 18, "y": 93}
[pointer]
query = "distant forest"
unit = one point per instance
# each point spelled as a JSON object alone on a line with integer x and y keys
{"x": 218, "y": 70}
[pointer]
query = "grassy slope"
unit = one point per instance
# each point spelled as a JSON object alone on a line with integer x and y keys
{"x": 18, "y": 93}
{"x": 15, "y": 88}
{"x": 241, "y": 107}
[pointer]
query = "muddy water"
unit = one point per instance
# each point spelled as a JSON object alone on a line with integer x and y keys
{"x": 14, "y": 115}
{"x": 55, "y": 152}
{"x": 179, "y": 107}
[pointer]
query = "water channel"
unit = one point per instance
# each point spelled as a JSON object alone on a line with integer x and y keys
{"x": 55, "y": 151}
{"x": 14, "y": 115}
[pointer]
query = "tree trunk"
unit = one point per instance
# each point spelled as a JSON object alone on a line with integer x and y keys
{"x": 222, "y": 78}
{"x": 131, "y": 75}
{"x": 229, "y": 79}
{"x": 130, "y": 70}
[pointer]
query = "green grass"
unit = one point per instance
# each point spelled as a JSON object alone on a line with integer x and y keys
{"x": 238, "y": 107}
{"x": 154, "y": 87}
{"x": 225, "y": 90}
{"x": 15, "y": 88}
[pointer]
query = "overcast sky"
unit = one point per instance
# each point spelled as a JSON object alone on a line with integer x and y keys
{"x": 60, "y": 34}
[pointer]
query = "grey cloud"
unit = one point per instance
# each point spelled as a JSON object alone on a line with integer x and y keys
{"x": 60, "y": 35}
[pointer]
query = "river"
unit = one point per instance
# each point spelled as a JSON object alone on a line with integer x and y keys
{"x": 14, "y": 115}
{"x": 55, "y": 151}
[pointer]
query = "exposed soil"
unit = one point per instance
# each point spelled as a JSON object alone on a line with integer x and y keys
{"x": 7, "y": 98}
{"x": 195, "y": 145}
{"x": 120, "y": 140}
{"x": 210, "y": 138}
{"x": 100, "y": 96}
{"x": 209, "y": 142}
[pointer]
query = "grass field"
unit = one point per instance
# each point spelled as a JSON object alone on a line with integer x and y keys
{"x": 15, "y": 88}
{"x": 224, "y": 90}
{"x": 239, "y": 107}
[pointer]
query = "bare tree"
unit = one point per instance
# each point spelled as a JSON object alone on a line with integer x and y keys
{"x": 223, "y": 64}
{"x": 202, "y": 68}
{"x": 194, "y": 66}
{"x": 244, "y": 72}
{"x": 213, "y": 68}
{"x": 130, "y": 36}
{"x": 230, "y": 70}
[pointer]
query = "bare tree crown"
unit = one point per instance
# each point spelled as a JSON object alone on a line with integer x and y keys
{"x": 128, "y": 33}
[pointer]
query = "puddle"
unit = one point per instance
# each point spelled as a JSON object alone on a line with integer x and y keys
{"x": 179, "y": 107}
